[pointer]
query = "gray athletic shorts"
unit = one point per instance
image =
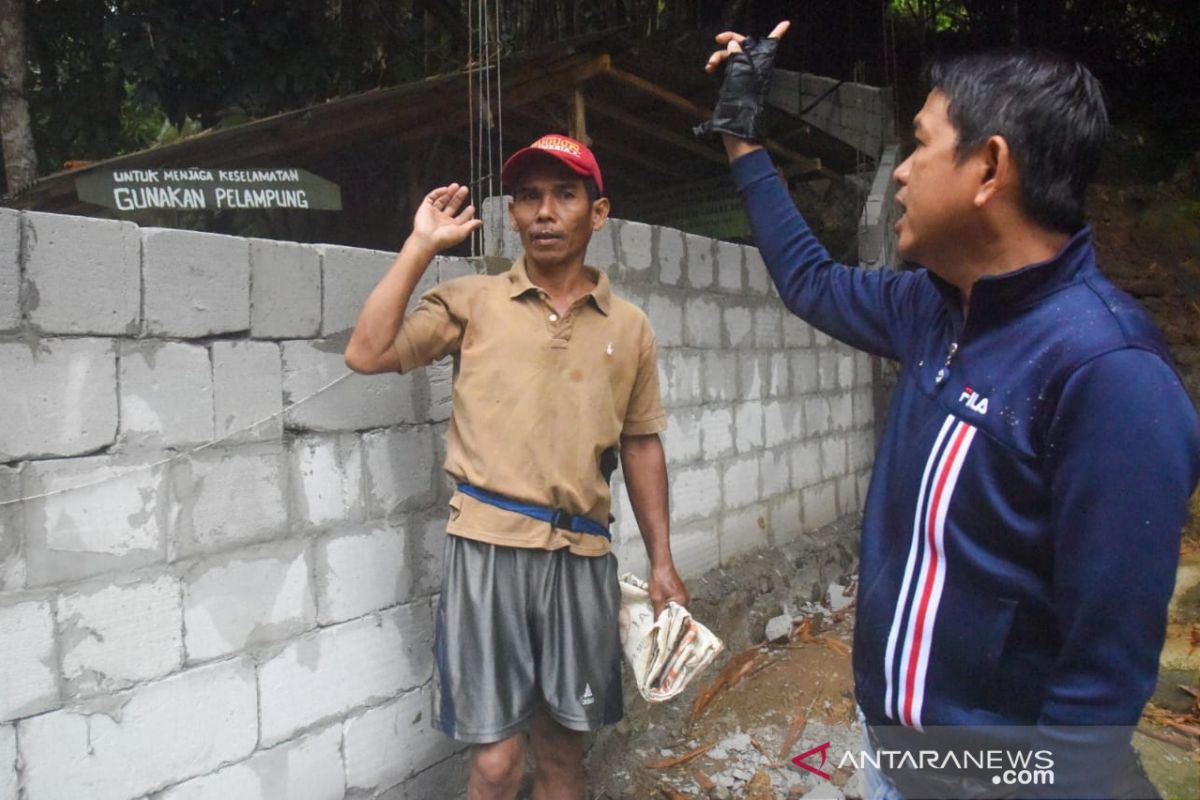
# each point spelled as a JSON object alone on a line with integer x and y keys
{"x": 519, "y": 628}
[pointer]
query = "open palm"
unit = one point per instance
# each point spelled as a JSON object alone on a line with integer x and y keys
{"x": 441, "y": 220}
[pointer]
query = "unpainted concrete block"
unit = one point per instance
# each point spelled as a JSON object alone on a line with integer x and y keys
{"x": 730, "y": 266}
{"x": 738, "y": 325}
{"x": 249, "y": 599}
{"x": 104, "y": 514}
{"x": 740, "y": 481}
{"x": 863, "y": 408}
{"x": 388, "y": 744}
{"x": 833, "y": 456}
{"x": 754, "y": 375}
{"x": 602, "y": 249}
{"x": 285, "y": 290}
{"x": 439, "y": 377}
{"x": 786, "y": 518}
{"x": 695, "y": 492}
{"x": 360, "y": 571}
{"x": 450, "y": 268}
{"x": 695, "y": 548}
{"x": 355, "y": 403}
{"x": 680, "y": 377}
{"x": 863, "y": 372}
{"x": 681, "y": 440}
{"x": 805, "y": 376}
{"x": 400, "y": 470}
{"x": 166, "y": 394}
{"x": 848, "y": 501}
{"x": 10, "y": 270}
{"x": 336, "y": 670}
{"x": 58, "y": 398}
{"x": 194, "y": 284}
{"x": 82, "y": 275}
{"x": 349, "y": 274}
{"x": 699, "y": 260}
{"x": 778, "y": 422}
{"x": 499, "y": 237}
{"x": 817, "y": 415}
{"x": 776, "y": 474}
{"x": 768, "y": 327}
{"x": 806, "y": 464}
{"x": 309, "y": 767}
{"x": 12, "y": 523}
{"x": 116, "y": 635}
{"x": 326, "y": 479}
{"x": 796, "y": 332}
{"x": 143, "y": 740}
{"x": 427, "y": 554}
{"x": 446, "y": 779}
{"x": 845, "y": 369}
{"x": 820, "y": 505}
{"x": 748, "y": 425}
{"x": 781, "y": 384}
{"x": 841, "y": 408}
{"x": 9, "y": 786}
{"x": 720, "y": 376}
{"x": 247, "y": 391}
{"x": 235, "y": 494}
{"x": 742, "y": 531}
{"x": 716, "y": 432}
{"x": 637, "y": 249}
{"x": 666, "y": 317}
{"x": 702, "y": 322}
{"x": 28, "y": 682}
{"x": 670, "y": 256}
{"x": 758, "y": 279}
{"x": 631, "y": 554}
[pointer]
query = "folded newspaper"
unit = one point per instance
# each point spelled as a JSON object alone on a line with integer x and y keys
{"x": 665, "y": 653}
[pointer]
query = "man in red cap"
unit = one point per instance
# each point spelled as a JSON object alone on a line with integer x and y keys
{"x": 555, "y": 380}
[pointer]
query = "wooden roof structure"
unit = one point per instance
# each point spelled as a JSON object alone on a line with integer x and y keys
{"x": 387, "y": 146}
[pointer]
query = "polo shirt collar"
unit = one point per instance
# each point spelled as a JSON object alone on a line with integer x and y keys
{"x": 519, "y": 284}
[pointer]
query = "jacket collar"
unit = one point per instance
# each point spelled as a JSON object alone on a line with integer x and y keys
{"x": 519, "y": 285}
{"x": 999, "y": 294}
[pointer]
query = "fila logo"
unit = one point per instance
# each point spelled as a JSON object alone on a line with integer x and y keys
{"x": 586, "y": 699}
{"x": 974, "y": 400}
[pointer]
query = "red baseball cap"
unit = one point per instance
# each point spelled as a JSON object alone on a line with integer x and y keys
{"x": 570, "y": 152}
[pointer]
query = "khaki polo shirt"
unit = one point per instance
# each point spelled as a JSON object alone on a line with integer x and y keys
{"x": 538, "y": 399}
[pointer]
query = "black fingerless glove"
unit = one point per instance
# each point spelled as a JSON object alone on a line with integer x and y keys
{"x": 739, "y": 109}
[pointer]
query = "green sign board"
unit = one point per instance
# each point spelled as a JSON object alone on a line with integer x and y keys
{"x": 194, "y": 189}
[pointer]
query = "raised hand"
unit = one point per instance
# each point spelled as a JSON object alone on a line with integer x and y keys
{"x": 732, "y": 43}
{"x": 441, "y": 221}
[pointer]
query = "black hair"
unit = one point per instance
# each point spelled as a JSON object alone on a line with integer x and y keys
{"x": 1050, "y": 110}
{"x": 593, "y": 191}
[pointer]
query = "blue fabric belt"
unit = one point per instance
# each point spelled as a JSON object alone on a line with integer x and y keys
{"x": 557, "y": 517}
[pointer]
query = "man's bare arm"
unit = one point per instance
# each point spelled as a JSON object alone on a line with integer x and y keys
{"x": 645, "y": 468}
{"x": 438, "y": 224}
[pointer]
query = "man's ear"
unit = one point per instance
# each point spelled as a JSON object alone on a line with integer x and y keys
{"x": 512, "y": 220}
{"x": 997, "y": 170}
{"x": 600, "y": 210}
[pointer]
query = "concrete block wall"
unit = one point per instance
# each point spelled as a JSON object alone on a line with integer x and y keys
{"x": 220, "y": 552}
{"x": 860, "y": 115}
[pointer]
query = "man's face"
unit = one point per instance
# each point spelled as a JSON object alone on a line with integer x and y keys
{"x": 936, "y": 190}
{"x": 552, "y": 213}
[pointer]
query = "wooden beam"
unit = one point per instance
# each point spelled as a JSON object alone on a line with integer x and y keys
{"x": 610, "y": 151}
{"x": 698, "y": 112}
{"x": 577, "y": 114}
{"x": 650, "y": 129}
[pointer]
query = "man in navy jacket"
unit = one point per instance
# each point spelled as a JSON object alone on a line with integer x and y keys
{"x": 1021, "y": 532}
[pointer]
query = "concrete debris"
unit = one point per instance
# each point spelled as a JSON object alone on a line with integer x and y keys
{"x": 779, "y": 628}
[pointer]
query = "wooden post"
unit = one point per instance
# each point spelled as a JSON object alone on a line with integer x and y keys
{"x": 577, "y": 117}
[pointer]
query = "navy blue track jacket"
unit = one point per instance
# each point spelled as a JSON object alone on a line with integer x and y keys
{"x": 1021, "y": 532}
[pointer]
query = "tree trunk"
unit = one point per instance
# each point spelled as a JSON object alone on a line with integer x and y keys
{"x": 20, "y": 159}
